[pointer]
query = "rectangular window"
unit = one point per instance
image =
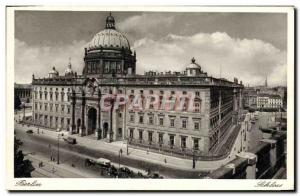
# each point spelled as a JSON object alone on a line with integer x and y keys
{"x": 56, "y": 107}
{"x": 172, "y": 122}
{"x": 62, "y": 96}
{"x": 40, "y": 106}
{"x": 160, "y": 138}
{"x": 183, "y": 142}
{"x": 62, "y": 109}
{"x": 184, "y": 123}
{"x": 120, "y": 115}
{"x": 141, "y": 119}
{"x": 62, "y": 122}
{"x": 46, "y": 106}
{"x": 35, "y": 106}
{"x": 151, "y": 120}
{"x": 150, "y": 137}
{"x": 141, "y": 135}
{"x": 51, "y": 97}
{"x": 172, "y": 141}
{"x": 131, "y": 133}
{"x": 69, "y": 109}
{"x": 131, "y": 117}
{"x": 197, "y": 93}
{"x": 196, "y": 125}
{"x": 196, "y": 144}
{"x": 161, "y": 121}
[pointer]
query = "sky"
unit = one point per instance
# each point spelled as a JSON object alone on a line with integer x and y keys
{"x": 249, "y": 46}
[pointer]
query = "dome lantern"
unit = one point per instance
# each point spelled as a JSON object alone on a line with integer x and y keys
{"x": 110, "y": 22}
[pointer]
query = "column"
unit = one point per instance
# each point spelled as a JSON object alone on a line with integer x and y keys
{"x": 251, "y": 167}
{"x": 73, "y": 126}
{"x": 82, "y": 129}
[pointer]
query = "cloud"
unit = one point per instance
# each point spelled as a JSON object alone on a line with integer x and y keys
{"x": 39, "y": 60}
{"x": 249, "y": 60}
{"x": 151, "y": 24}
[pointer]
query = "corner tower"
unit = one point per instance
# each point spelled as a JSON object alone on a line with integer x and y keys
{"x": 108, "y": 54}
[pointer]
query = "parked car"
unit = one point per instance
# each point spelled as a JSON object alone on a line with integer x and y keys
{"x": 103, "y": 162}
{"x": 70, "y": 140}
{"x": 29, "y": 131}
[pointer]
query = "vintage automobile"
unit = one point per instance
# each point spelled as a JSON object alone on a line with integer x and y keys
{"x": 70, "y": 140}
{"x": 103, "y": 162}
{"x": 29, "y": 131}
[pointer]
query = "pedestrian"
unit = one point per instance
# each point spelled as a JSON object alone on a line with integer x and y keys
{"x": 165, "y": 160}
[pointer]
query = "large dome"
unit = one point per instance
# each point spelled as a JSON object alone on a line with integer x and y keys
{"x": 109, "y": 38}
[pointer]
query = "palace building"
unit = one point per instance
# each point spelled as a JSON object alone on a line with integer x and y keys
{"x": 183, "y": 112}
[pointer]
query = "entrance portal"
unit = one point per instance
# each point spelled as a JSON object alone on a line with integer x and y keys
{"x": 92, "y": 115}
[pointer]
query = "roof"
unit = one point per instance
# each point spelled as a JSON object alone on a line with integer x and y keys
{"x": 271, "y": 96}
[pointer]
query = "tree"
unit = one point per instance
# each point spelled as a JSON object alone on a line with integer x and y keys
{"x": 17, "y": 102}
{"x": 23, "y": 168}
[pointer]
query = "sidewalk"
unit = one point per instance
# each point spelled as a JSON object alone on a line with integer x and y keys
{"x": 137, "y": 154}
{"x": 51, "y": 169}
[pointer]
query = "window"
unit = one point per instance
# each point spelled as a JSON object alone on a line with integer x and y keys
{"x": 161, "y": 121}
{"x": 56, "y": 107}
{"x": 35, "y": 106}
{"x": 171, "y": 141}
{"x": 56, "y": 96}
{"x": 69, "y": 109}
{"x": 62, "y": 122}
{"x": 40, "y": 106}
{"x": 131, "y": 133}
{"x": 172, "y": 122}
{"x": 68, "y": 97}
{"x": 197, "y": 106}
{"x": 51, "y": 119}
{"x": 62, "y": 96}
{"x": 46, "y": 95}
{"x": 150, "y": 137}
{"x": 56, "y": 122}
{"x": 51, "y": 97}
{"x": 141, "y": 119}
{"x": 62, "y": 109}
{"x": 141, "y": 135}
{"x": 183, "y": 142}
{"x": 46, "y": 106}
{"x": 151, "y": 120}
{"x": 68, "y": 121}
{"x": 51, "y": 107}
{"x": 160, "y": 138}
{"x": 196, "y": 144}
{"x": 120, "y": 115}
{"x": 197, "y": 93}
{"x": 132, "y": 91}
{"x": 184, "y": 123}
{"x": 184, "y": 93}
{"x": 46, "y": 120}
{"x": 131, "y": 117}
{"x": 41, "y": 95}
{"x": 196, "y": 125}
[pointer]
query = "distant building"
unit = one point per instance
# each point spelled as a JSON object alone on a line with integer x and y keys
{"x": 269, "y": 101}
{"x": 23, "y": 91}
{"x": 250, "y": 98}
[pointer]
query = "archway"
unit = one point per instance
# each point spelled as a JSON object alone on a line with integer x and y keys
{"x": 92, "y": 116}
{"x": 105, "y": 129}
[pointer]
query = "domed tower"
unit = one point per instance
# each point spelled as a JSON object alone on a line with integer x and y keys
{"x": 194, "y": 69}
{"x": 108, "y": 53}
